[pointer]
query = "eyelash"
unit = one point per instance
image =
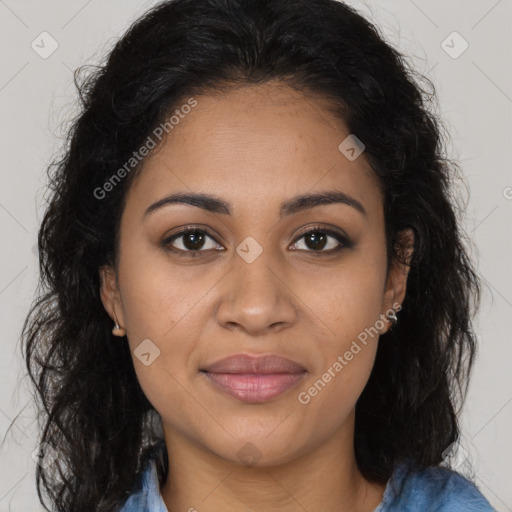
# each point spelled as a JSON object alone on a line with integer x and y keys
{"x": 345, "y": 242}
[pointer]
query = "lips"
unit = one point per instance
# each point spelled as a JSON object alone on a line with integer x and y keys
{"x": 254, "y": 379}
{"x": 263, "y": 365}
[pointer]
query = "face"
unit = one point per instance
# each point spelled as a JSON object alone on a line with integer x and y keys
{"x": 261, "y": 274}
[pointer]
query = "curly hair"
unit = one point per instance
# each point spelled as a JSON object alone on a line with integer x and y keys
{"x": 93, "y": 412}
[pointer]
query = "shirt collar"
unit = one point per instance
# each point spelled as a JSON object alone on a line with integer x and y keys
{"x": 147, "y": 497}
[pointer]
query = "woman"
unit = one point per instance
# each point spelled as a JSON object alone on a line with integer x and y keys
{"x": 257, "y": 295}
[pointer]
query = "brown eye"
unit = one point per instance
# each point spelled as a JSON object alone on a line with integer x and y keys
{"x": 323, "y": 241}
{"x": 190, "y": 241}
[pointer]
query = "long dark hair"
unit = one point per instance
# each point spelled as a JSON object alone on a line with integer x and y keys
{"x": 93, "y": 411}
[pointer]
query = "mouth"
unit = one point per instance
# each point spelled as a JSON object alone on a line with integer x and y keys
{"x": 254, "y": 379}
{"x": 254, "y": 387}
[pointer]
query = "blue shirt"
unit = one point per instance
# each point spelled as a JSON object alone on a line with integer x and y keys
{"x": 432, "y": 489}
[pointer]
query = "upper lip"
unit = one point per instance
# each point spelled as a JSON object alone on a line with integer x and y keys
{"x": 244, "y": 363}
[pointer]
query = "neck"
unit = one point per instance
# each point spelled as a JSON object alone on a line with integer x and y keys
{"x": 326, "y": 477}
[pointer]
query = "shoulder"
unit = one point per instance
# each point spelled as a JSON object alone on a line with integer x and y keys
{"x": 438, "y": 489}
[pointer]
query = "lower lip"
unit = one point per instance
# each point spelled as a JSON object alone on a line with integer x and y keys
{"x": 254, "y": 388}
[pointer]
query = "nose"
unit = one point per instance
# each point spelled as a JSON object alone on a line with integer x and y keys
{"x": 256, "y": 297}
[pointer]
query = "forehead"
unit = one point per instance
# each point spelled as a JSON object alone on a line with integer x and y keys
{"x": 255, "y": 142}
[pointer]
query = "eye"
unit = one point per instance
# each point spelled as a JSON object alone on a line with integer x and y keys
{"x": 191, "y": 241}
{"x": 317, "y": 240}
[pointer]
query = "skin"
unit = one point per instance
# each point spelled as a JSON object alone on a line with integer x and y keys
{"x": 255, "y": 147}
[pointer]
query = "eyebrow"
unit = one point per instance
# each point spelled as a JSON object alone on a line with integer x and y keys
{"x": 296, "y": 204}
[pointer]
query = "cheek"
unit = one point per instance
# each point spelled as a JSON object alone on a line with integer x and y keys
{"x": 158, "y": 296}
{"x": 348, "y": 349}
{"x": 162, "y": 309}
{"x": 347, "y": 300}
{"x": 164, "y": 304}
{"x": 347, "y": 305}
{"x": 331, "y": 397}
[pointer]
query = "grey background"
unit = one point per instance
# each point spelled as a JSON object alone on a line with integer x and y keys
{"x": 475, "y": 99}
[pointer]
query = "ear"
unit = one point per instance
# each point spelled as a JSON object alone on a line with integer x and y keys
{"x": 109, "y": 293}
{"x": 396, "y": 283}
